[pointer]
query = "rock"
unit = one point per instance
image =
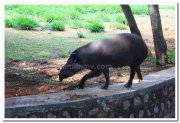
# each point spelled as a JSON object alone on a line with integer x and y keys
{"x": 33, "y": 116}
{"x": 165, "y": 91}
{"x": 131, "y": 116}
{"x": 126, "y": 105}
{"x": 168, "y": 104}
{"x": 149, "y": 113}
{"x": 93, "y": 112}
{"x": 156, "y": 109}
{"x": 80, "y": 114}
{"x": 162, "y": 107}
{"x": 141, "y": 113}
{"x": 66, "y": 114}
{"x": 50, "y": 115}
{"x": 137, "y": 101}
{"x": 146, "y": 98}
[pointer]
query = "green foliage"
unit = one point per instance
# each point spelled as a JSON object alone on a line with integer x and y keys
{"x": 171, "y": 57}
{"x": 9, "y": 22}
{"x": 76, "y": 24}
{"x": 54, "y": 17}
{"x": 43, "y": 54}
{"x": 96, "y": 27}
{"x": 80, "y": 35}
{"x": 57, "y": 25}
{"x": 121, "y": 19}
{"x": 152, "y": 59}
{"x": 64, "y": 54}
{"x": 25, "y": 23}
{"x": 119, "y": 26}
{"x": 139, "y": 9}
{"x": 76, "y": 16}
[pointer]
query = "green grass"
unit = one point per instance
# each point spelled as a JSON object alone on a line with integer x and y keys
{"x": 119, "y": 26}
{"x": 75, "y": 16}
{"x": 171, "y": 57}
{"x": 24, "y": 23}
{"x": 9, "y": 22}
{"x": 96, "y": 27}
{"x": 80, "y": 35}
{"x": 22, "y": 46}
{"x": 57, "y": 25}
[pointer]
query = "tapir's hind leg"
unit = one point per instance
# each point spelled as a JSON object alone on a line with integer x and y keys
{"x": 132, "y": 73}
{"x": 106, "y": 75}
{"x": 138, "y": 71}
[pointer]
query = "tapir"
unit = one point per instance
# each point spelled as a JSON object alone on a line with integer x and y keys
{"x": 123, "y": 49}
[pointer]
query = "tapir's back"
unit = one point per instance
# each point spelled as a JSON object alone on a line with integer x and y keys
{"x": 123, "y": 49}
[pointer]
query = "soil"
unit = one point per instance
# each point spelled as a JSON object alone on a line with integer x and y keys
{"x": 32, "y": 78}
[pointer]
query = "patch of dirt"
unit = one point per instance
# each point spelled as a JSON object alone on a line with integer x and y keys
{"x": 15, "y": 85}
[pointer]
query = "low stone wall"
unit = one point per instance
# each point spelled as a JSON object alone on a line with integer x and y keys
{"x": 153, "y": 97}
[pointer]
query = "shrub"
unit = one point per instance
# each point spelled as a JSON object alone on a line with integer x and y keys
{"x": 139, "y": 9}
{"x": 80, "y": 35}
{"x": 57, "y": 25}
{"x": 9, "y": 22}
{"x": 64, "y": 54}
{"x": 152, "y": 59}
{"x": 54, "y": 17}
{"x": 96, "y": 27}
{"x": 171, "y": 57}
{"x": 25, "y": 23}
{"x": 119, "y": 26}
{"x": 76, "y": 24}
{"x": 121, "y": 19}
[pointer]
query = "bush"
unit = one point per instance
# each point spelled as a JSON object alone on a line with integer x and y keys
{"x": 76, "y": 24}
{"x": 96, "y": 27}
{"x": 119, "y": 26}
{"x": 80, "y": 35}
{"x": 121, "y": 19}
{"x": 9, "y": 22}
{"x": 54, "y": 17}
{"x": 152, "y": 59}
{"x": 57, "y": 25}
{"x": 25, "y": 23}
{"x": 171, "y": 57}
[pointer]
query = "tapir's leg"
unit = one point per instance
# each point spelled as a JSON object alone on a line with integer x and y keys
{"x": 138, "y": 71}
{"x": 106, "y": 74}
{"x": 87, "y": 76}
{"x": 132, "y": 73}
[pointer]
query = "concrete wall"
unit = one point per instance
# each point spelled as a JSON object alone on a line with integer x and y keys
{"x": 153, "y": 97}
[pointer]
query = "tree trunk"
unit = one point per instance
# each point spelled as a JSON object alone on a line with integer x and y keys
{"x": 159, "y": 41}
{"x": 131, "y": 21}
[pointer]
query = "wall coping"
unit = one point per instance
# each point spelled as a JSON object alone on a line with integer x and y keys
{"x": 150, "y": 81}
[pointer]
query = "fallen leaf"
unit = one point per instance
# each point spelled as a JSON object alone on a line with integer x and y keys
{"x": 43, "y": 88}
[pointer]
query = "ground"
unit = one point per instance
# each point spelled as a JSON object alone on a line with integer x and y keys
{"x": 41, "y": 76}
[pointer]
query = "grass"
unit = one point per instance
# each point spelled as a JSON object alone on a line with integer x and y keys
{"x": 171, "y": 57}
{"x": 96, "y": 27}
{"x": 76, "y": 16}
{"x": 25, "y": 23}
{"x": 80, "y": 35}
{"x": 57, "y": 25}
{"x": 119, "y": 26}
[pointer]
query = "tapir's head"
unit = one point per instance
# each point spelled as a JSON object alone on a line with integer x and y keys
{"x": 70, "y": 68}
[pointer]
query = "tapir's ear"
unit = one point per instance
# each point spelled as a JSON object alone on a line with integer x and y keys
{"x": 74, "y": 57}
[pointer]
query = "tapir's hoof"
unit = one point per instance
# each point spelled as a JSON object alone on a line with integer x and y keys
{"x": 104, "y": 87}
{"x": 127, "y": 85}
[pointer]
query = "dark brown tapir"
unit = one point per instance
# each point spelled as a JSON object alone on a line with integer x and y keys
{"x": 121, "y": 50}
